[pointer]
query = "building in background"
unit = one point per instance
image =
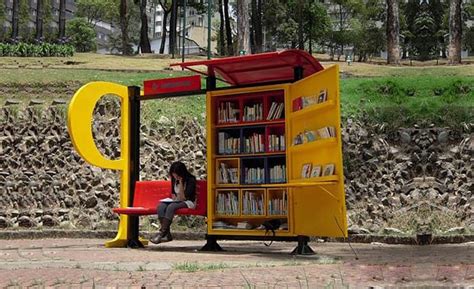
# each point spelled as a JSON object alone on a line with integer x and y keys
{"x": 48, "y": 28}
{"x": 195, "y": 30}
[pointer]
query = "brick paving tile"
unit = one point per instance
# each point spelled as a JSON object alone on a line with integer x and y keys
{"x": 86, "y": 263}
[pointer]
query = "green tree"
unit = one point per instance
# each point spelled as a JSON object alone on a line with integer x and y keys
{"x": 48, "y": 31}
{"x": 455, "y": 31}
{"x": 96, "y": 10}
{"x": 2, "y": 20}
{"x": 144, "y": 45}
{"x": 289, "y": 23}
{"x": 468, "y": 32}
{"x": 393, "y": 32}
{"x": 23, "y": 20}
{"x": 81, "y": 34}
{"x": 126, "y": 16}
{"x": 316, "y": 23}
{"x": 367, "y": 37}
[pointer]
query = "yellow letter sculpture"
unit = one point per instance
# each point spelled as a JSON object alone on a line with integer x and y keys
{"x": 80, "y": 116}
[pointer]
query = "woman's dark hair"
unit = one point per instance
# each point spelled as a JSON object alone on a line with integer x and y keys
{"x": 180, "y": 169}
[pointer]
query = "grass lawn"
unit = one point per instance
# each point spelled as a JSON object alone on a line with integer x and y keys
{"x": 396, "y": 95}
{"x": 93, "y": 61}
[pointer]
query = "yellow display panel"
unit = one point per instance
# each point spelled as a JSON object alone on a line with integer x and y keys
{"x": 318, "y": 208}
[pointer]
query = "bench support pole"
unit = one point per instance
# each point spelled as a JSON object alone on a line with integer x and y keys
{"x": 303, "y": 248}
{"x": 211, "y": 245}
{"x": 133, "y": 240}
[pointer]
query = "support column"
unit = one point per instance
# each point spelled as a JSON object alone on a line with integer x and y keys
{"x": 134, "y": 100}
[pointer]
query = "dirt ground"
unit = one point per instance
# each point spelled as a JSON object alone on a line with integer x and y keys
{"x": 86, "y": 263}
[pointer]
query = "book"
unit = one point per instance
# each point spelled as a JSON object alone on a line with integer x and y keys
{"x": 298, "y": 139}
{"x": 227, "y": 203}
{"x": 244, "y": 225}
{"x": 328, "y": 170}
{"x": 316, "y": 171}
{"x": 253, "y": 112}
{"x": 297, "y": 104}
{"x": 227, "y": 112}
{"x": 306, "y": 170}
{"x": 309, "y": 136}
{"x": 309, "y": 100}
{"x": 168, "y": 200}
{"x": 323, "y": 95}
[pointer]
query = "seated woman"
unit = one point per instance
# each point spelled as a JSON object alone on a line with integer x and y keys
{"x": 183, "y": 191}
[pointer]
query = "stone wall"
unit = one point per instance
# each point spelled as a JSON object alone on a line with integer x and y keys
{"x": 402, "y": 181}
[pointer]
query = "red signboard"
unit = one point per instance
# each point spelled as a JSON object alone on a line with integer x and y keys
{"x": 170, "y": 85}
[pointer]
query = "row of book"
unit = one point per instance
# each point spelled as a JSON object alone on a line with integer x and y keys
{"x": 227, "y": 175}
{"x": 305, "y": 101}
{"x": 309, "y": 170}
{"x": 254, "y": 144}
{"x": 252, "y": 203}
{"x": 278, "y": 174}
{"x": 312, "y": 135}
{"x": 276, "y": 143}
{"x": 253, "y": 112}
{"x": 228, "y": 112}
{"x": 254, "y": 175}
{"x": 228, "y": 144}
{"x": 245, "y": 225}
{"x": 227, "y": 204}
{"x": 276, "y": 111}
{"x": 278, "y": 206}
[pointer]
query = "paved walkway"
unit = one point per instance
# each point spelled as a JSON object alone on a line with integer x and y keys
{"x": 85, "y": 263}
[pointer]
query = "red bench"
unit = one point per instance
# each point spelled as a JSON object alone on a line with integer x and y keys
{"x": 149, "y": 193}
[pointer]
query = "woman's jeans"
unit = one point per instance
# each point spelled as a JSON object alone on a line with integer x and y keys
{"x": 167, "y": 210}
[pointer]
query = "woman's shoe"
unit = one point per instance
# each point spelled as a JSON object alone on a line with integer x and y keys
{"x": 156, "y": 239}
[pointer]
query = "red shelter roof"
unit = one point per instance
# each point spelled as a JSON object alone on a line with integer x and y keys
{"x": 257, "y": 68}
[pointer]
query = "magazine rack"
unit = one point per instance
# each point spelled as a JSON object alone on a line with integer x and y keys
{"x": 274, "y": 147}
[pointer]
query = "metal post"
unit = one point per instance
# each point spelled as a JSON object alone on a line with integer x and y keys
{"x": 184, "y": 31}
{"x": 209, "y": 19}
{"x": 134, "y": 100}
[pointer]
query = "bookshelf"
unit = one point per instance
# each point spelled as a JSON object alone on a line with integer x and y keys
{"x": 251, "y": 136}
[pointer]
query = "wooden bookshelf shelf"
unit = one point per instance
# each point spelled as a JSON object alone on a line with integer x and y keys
{"x": 251, "y": 155}
{"x": 333, "y": 178}
{"x": 332, "y": 141}
{"x": 250, "y": 123}
{"x": 328, "y": 104}
{"x": 278, "y": 216}
{"x": 228, "y": 217}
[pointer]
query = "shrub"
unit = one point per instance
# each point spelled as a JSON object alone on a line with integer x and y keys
{"x": 81, "y": 34}
{"x": 22, "y": 49}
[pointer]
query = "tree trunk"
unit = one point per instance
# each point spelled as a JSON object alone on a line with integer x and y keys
{"x": 15, "y": 18}
{"x": 393, "y": 30}
{"x": 145, "y": 46}
{"x": 124, "y": 27}
{"x": 222, "y": 46}
{"x": 300, "y": 25}
{"x": 62, "y": 19}
{"x": 173, "y": 25}
{"x": 257, "y": 26}
{"x": 341, "y": 29}
{"x": 39, "y": 20}
{"x": 228, "y": 29}
{"x": 163, "y": 35}
{"x": 243, "y": 25}
{"x": 455, "y": 32}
